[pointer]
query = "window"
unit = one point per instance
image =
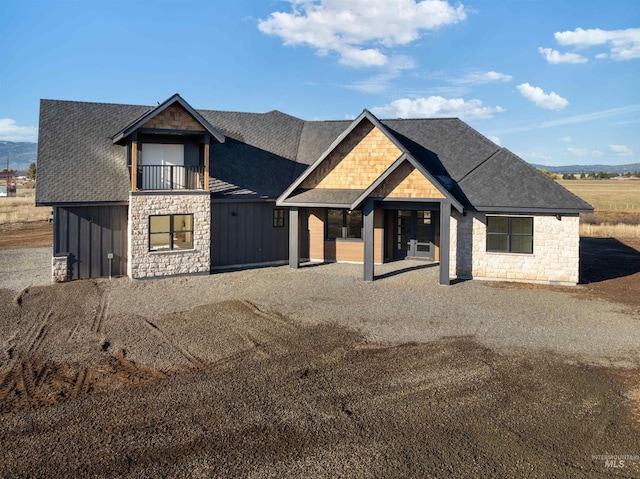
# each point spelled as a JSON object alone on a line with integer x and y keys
{"x": 278, "y": 218}
{"x": 344, "y": 224}
{"x": 169, "y": 232}
{"x": 510, "y": 234}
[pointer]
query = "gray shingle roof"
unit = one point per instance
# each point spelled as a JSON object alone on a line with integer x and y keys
{"x": 324, "y": 196}
{"x": 265, "y": 152}
{"x": 505, "y": 181}
{"x": 77, "y": 161}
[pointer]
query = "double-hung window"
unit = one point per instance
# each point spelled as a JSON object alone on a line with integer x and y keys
{"x": 510, "y": 234}
{"x": 169, "y": 232}
{"x": 344, "y": 224}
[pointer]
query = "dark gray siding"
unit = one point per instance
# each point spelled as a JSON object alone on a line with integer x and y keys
{"x": 88, "y": 234}
{"x": 243, "y": 233}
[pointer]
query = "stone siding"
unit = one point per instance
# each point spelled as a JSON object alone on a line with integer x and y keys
{"x": 555, "y": 257}
{"x": 146, "y": 264}
{"x": 60, "y": 268}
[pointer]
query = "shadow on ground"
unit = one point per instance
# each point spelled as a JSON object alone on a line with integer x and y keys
{"x": 602, "y": 259}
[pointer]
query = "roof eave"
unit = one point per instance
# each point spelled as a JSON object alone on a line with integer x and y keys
{"x": 531, "y": 210}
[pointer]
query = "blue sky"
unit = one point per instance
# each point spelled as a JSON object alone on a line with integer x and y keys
{"x": 557, "y": 82}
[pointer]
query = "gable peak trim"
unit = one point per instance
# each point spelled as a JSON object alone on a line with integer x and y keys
{"x": 175, "y": 98}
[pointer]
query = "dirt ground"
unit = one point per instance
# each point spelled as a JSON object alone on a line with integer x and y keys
{"x": 26, "y": 235}
{"x": 266, "y": 397}
{"x": 230, "y": 389}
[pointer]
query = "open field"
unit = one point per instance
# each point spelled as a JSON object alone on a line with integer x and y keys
{"x": 315, "y": 373}
{"x": 616, "y": 204}
{"x": 21, "y": 208}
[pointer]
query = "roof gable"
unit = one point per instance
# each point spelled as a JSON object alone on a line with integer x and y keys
{"x": 362, "y": 152}
{"x": 172, "y": 114}
{"x": 361, "y": 157}
{"x": 367, "y": 157}
{"x": 407, "y": 179}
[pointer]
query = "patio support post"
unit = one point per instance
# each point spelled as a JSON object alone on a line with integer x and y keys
{"x": 134, "y": 163}
{"x": 367, "y": 217}
{"x": 205, "y": 150}
{"x": 445, "y": 227}
{"x": 294, "y": 227}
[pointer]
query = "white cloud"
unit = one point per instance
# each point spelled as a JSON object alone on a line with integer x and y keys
{"x": 551, "y": 101}
{"x": 10, "y": 131}
{"x": 554, "y": 56}
{"x": 437, "y": 106}
{"x": 566, "y": 139}
{"x": 477, "y": 78}
{"x": 621, "y": 150}
{"x": 623, "y": 44}
{"x": 583, "y": 152}
{"x": 495, "y": 139}
{"x": 575, "y": 119}
{"x": 356, "y": 29}
{"x": 382, "y": 82}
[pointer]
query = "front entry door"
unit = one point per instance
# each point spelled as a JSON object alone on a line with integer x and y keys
{"x": 414, "y": 234}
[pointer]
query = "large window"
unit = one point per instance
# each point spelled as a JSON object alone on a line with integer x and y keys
{"x": 510, "y": 234}
{"x": 168, "y": 232}
{"x": 344, "y": 224}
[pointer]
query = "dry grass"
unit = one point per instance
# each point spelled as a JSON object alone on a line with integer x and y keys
{"x": 616, "y": 204}
{"x": 608, "y": 230}
{"x": 22, "y": 208}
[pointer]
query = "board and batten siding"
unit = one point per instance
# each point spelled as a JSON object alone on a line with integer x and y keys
{"x": 242, "y": 233}
{"x": 88, "y": 234}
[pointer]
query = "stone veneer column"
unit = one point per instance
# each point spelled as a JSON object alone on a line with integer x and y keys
{"x": 147, "y": 264}
{"x": 60, "y": 268}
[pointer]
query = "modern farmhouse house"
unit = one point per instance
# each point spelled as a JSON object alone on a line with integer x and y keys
{"x": 167, "y": 190}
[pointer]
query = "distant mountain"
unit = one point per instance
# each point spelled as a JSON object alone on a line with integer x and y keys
{"x": 20, "y": 154}
{"x": 590, "y": 168}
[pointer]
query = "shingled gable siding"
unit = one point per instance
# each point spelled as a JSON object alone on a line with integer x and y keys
{"x": 321, "y": 249}
{"x": 146, "y": 264}
{"x": 407, "y": 182}
{"x": 356, "y": 162}
{"x": 174, "y": 118}
{"x": 555, "y": 257}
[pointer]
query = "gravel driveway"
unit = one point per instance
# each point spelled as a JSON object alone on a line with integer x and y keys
{"x": 406, "y": 307}
{"x": 204, "y": 376}
{"x": 22, "y": 267}
{"x": 410, "y": 307}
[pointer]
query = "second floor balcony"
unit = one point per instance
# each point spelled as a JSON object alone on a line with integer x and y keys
{"x": 169, "y": 177}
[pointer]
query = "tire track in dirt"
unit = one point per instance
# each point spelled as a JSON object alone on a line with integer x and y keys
{"x": 40, "y": 331}
{"x": 36, "y": 383}
{"x": 196, "y": 362}
{"x": 252, "y": 344}
{"x": 101, "y": 314}
{"x": 256, "y": 310}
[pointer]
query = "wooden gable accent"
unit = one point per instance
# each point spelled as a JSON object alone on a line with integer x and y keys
{"x": 174, "y": 117}
{"x": 356, "y": 162}
{"x": 406, "y": 182}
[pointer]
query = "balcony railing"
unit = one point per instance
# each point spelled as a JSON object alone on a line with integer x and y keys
{"x": 169, "y": 177}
